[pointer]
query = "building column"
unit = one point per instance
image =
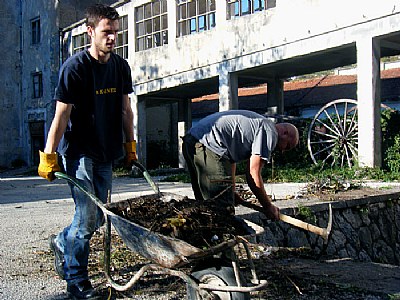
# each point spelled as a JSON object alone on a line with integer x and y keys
{"x": 220, "y": 15}
{"x": 184, "y": 124}
{"x": 138, "y": 104}
{"x": 228, "y": 91}
{"x": 172, "y": 21}
{"x": 368, "y": 94}
{"x": 275, "y": 103}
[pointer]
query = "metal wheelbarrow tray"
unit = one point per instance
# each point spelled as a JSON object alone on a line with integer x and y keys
{"x": 169, "y": 254}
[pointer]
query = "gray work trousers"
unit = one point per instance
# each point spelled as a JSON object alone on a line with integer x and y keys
{"x": 211, "y": 174}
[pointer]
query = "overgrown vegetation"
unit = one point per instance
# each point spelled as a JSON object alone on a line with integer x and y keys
{"x": 296, "y": 165}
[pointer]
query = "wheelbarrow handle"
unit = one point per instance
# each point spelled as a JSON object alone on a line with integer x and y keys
{"x": 75, "y": 183}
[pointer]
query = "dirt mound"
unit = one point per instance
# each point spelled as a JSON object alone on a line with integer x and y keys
{"x": 201, "y": 224}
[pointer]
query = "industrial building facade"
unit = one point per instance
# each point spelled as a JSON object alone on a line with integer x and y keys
{"x": 179, "y": 50}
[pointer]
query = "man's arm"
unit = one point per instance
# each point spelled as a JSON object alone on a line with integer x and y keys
{"x": 130, "y": 143}
{"x": 256, "y": 184}
{"x": 127, "y": 118}
{"x": 58, "y": 126}
{"x": 48, "y": 158}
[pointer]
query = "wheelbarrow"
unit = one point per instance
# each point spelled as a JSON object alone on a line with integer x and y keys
{"x": 214, "y": 272}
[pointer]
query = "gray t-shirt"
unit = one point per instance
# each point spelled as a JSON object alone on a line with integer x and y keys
{"x": 237, "y": 134}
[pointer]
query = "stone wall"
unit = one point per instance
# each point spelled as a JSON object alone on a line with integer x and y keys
{"x": 366, "y": 229}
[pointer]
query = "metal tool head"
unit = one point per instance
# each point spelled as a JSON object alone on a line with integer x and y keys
{"x": 327, "y": 230}
{"x": 147, "y": 176}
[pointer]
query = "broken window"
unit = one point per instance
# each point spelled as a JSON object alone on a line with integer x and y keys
{"x": 80, "y": 42}
{"x": 195, "y": 16}
{"x": 37, "y": 85}
{"x": 121, "y": 46}
{"x": 238, "y": 8}
{"x": 151, "y": 25}
{"x": 35, "y": 31}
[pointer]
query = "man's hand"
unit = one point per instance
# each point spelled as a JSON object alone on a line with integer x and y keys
{"x": 271, "y": 212}
{"x": 130, "y": 153}
{"x": 48, "y": 165}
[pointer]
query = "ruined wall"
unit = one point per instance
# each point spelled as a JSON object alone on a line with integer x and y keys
{"x": 25, "y": 119}
{"x": 365, "y": 229}
{"x": 10, "y": 75}
{"x": 38, "y": 58}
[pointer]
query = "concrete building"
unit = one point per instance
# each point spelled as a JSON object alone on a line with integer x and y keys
{"x": 180, "y": 50}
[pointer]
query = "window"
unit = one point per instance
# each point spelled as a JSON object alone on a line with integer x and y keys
{"x": 151, "y": 25}
{"x": 195, "y": 16}
{"x": 121, "y": 46}
{"x": 238, "y": 8}
{"x": 35, "y": 31}
{"x": 80, "y": 42}
{"x": 37, "y": 85}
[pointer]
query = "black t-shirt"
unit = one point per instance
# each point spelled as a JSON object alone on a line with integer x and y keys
{"x": 95, "y": 90}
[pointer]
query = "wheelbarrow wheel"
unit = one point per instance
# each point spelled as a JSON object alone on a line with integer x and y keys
{"x": 221, "y": 276}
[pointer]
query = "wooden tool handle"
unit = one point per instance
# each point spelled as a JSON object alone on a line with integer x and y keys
{"x": 290, "y": 220}
{"x": 301, "y": 224}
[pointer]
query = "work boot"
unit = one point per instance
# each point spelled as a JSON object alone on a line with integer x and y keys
{"x": 82, "y": 290}
{"x": 58, "y": 257}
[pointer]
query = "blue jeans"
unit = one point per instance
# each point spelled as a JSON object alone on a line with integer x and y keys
{"x": 74, "y": 239}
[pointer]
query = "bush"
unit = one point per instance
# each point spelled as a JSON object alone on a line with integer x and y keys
{"x": 390, "y": 125}
{"x": 392, "y": 156}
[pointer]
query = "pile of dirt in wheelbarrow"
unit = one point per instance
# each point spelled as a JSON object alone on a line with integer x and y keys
{"x": 201, "y": 224}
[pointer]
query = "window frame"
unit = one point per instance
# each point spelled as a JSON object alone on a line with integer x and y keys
{"x": 122, "y": 39}
{"x": 35, "y": 31}
{"x": 37, "y": 85}
{"x": 80, "y": 42}
{"x": 238, "y": 8}
{"x": 151, "y": 25}
{"x": 194, "y": 16}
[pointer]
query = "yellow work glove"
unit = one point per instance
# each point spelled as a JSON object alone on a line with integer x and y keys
{"x": 48, "y": 165}
{"x": 130, "y": 153}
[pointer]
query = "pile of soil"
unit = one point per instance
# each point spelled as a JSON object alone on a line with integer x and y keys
{"x": 201, "y": 224}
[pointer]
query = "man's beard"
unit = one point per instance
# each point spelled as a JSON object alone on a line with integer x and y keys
{"x": 103, "y": 48}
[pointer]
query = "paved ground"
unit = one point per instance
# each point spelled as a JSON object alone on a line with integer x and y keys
{"x": 31, "y": 209}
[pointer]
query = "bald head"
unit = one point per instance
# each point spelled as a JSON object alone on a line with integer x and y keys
{"x": 288, "y": 136}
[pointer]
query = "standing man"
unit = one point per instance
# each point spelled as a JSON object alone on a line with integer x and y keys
{"x": 93, "y": 116}
{"x": 216, "y": 143}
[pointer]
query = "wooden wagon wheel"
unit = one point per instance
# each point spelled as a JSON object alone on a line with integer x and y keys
{"x": 333, "y": 134}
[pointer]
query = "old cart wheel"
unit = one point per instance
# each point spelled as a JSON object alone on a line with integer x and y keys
{"x": 333, "y": 134}
{"x": 222, "y": 276}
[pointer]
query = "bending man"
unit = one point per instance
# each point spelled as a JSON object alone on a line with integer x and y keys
{"x": 216, "y": 143}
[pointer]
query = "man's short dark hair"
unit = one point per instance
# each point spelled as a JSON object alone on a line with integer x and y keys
{"x": 97, "y": 12}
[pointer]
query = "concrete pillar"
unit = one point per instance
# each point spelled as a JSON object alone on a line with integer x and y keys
{"x": 139, "y": 111}
{"x": 368, "y": 94}
{"x": 228, "y": 91}
{"x": 184, "y": 124}
{"x": 220, "y": 15}
{"x": 275, "y": 96}
{"x": 174, "y": 137}
{"x": 172, "y": 21}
